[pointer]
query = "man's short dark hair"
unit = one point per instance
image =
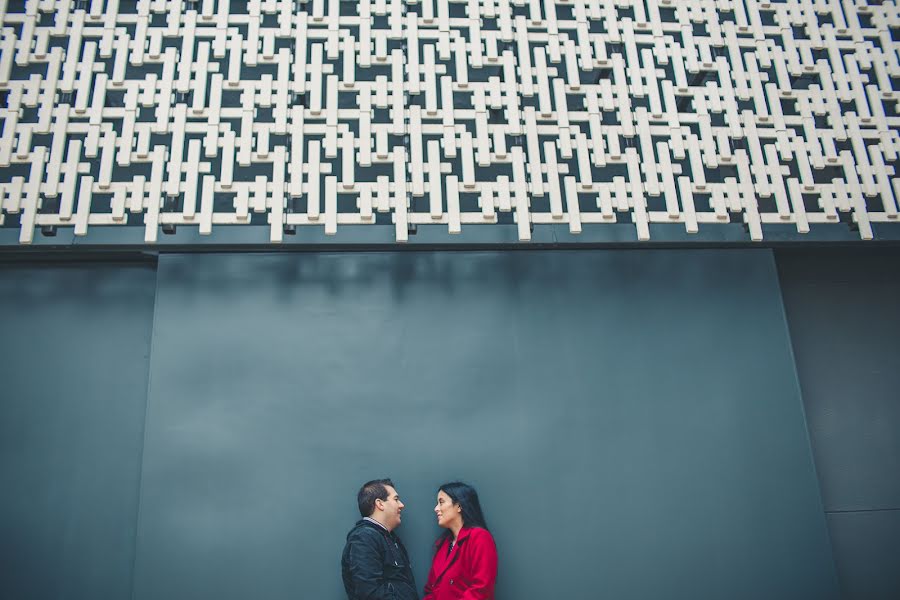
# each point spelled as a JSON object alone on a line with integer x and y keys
{"x": 369, "y": 493}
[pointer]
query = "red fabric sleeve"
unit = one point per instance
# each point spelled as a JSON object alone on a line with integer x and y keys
{"x": 429, "y": 585}
{"x": 482, "y": 559}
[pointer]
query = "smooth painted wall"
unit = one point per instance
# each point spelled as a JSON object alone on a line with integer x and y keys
{"x": 632, "y": 420}
{"x": 74, "y": 361}
{"x": 845, "y": 328}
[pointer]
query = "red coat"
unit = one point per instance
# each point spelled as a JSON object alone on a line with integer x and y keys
{"x": 469, "y": 572}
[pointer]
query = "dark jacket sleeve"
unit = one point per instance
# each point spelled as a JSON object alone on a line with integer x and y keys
{"x": 366, "y": 565}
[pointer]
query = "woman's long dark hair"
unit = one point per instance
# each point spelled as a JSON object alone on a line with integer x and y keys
{"x": 467, "y": 498}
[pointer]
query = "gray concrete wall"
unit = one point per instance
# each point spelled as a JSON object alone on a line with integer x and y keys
{"x": 842, "y": 307}
{"x": 74, "y": 350}
{"x": 632, "y": 420}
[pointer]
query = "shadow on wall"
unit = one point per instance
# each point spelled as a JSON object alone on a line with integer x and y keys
{"x": 21, "y": 285}
{"x": 402, "y": 272}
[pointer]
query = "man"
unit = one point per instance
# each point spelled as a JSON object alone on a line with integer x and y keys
{"x": 375, "y": 565}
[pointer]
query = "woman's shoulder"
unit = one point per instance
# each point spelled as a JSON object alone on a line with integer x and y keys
{"x": 479, "y": 533}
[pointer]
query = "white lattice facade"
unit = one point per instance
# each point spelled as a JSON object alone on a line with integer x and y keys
{"x": 210, "y": 114}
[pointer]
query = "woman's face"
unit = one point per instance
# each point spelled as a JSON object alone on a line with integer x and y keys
{"x": 448, "y": 513}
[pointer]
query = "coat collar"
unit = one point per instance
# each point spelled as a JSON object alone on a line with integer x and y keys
{"x": 376, "y": 526}
{"x": 442, "y": 559}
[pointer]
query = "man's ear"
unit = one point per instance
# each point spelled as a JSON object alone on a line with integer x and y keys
{"x": 377, "y": 505}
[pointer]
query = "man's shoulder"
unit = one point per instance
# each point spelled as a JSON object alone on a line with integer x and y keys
{"x": 364, "y": 530}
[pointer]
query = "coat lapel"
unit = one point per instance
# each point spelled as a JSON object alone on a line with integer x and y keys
{"x": 444, "y": 560}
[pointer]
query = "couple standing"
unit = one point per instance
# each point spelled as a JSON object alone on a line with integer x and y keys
{"x": 375, "y": 565}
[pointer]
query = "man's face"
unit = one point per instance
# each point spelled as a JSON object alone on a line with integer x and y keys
{"x": 391, "y": 508}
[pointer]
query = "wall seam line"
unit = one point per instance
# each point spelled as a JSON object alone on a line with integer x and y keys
{"x": 140, "y": 486}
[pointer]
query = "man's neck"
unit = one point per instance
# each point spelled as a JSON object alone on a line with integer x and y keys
{"x": 375, "y": 520}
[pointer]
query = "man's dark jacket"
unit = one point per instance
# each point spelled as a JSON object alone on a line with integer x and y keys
{"x": 375, "y": 565}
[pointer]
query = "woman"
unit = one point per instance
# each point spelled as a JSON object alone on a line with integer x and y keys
{"x": 465, "y": 560}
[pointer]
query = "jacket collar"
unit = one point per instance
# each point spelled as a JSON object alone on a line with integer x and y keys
{"x": 463, "y": 534}
{"x": 442, "y": 560}
{"x": 377, "y": 527}
{"x": 374, "y": 522}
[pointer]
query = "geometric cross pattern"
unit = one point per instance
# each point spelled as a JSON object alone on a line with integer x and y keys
{"x": 452, "y": 114}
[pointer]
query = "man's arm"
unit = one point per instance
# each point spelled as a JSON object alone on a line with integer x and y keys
{"x": 367, "y": 568}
